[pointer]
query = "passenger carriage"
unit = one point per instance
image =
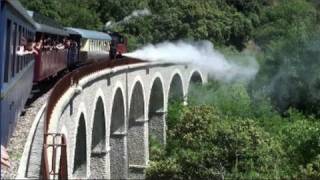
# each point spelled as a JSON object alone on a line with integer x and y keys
{"x": 16, "y": 72}
{"x": 92, "y": 44}
{"x": 49, "y": 61}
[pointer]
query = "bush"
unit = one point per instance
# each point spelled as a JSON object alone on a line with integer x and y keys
{"x": 311, "y": 170}
{"x": 230, "y": 99}
{"x": 204, "y": 143}
{"x": 218, "y": 140}
{"x": 300, "y": 139}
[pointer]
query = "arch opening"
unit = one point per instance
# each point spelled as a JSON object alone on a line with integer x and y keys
{"x": 118, "y": 167}
{"x": 80, "y": 154}
{"x": 195, "y": 81}
{"x": 136, "y": 137}
{"x": 196, "y": 78}
{"x": 156, "y": 115}
{"x": 98, "y": 142}
{"x": 176, "y": 89}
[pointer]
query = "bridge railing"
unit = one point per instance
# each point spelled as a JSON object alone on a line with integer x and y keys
{"x": 59, "y": 89}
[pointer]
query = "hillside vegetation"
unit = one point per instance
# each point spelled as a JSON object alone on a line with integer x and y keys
{"x": 224, "y": 133}
{"x": 268, "y": 128}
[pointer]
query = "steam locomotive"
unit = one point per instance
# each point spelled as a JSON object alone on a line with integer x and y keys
{"x": 18, "y": 73}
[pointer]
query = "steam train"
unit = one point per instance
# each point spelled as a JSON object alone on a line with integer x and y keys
{"x": 18, "y": 73}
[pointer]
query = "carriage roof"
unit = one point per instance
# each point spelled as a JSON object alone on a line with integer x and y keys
{"x": 47, "y": 25}
{"x": 89, "y": 34}
{"x": 15, "y": 4}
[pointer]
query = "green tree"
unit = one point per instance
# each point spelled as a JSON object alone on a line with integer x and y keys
{"x": 75, "y": 13}
{"x": 204, "y": 144}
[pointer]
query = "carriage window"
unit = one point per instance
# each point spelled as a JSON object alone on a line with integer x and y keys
{"x": 92, "y": 48}
{"x": 23, "y": 57}
{"x": 18, "y": 46}
{"x": 28, "y": 56}
{"x": 8, "y": 52}
{"x": 121, "y": 40}
{"x": 14, "y": 43}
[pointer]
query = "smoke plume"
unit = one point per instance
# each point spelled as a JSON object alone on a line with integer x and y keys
{"x": 134, "y": 14}
{"x": 203, "y": 54}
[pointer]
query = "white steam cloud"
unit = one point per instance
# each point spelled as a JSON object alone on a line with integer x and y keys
{"x": 203, "y": 54}
{"x": 134, "y": 14}
{"x": 137, "y": 13}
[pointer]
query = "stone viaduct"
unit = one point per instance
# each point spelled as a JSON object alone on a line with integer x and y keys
{"x": 109, "y": 116}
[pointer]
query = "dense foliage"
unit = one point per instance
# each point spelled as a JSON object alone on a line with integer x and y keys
{"x": 289, "y": 60}
{"x": 211, "y": 137}
{"x": 290, "y": 74}
{"x": 76, "y": 13}
{"x": 223, "y": 22}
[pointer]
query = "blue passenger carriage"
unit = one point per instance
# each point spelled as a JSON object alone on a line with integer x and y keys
{"x": 16, "y": 72}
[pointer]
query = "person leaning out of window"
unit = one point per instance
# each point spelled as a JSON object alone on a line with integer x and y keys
{"x": 28, "y": 47}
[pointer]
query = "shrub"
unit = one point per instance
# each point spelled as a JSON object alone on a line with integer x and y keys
{"x": 204, "y": 144}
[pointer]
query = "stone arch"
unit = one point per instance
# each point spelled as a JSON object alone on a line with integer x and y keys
{"x": 156, "y": 114}
{"x": 118, "y": 165}
{"x": 176, "y": 89}
{"x": 80, "y": 154}
{"x": 136, "y": 131}
{"x": 196, "y": 77}
{"x": 194, "y": 80}
{"x": 98, "y": 142}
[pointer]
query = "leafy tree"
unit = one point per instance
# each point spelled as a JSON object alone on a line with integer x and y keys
{"x": 75, "y": 13}
{"x": 284, "y": 20}
{"x": 290, "y": 74}
{"x": 218, "y": 141}
{"x": 205, "y": 143}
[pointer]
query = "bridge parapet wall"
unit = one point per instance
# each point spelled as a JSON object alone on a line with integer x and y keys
{"x": 109, "y": 115}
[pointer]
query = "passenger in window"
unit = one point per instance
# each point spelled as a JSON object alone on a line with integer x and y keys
{"x": 74, "y": 44}
{"x": 27, "y": 48}
{"x": 67, "y": 43}
{"x": 59, "y": 45}
{"x": 47, "y": 44}
{"x": 21, "y": 46}
{"x": 38, "y": 46}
